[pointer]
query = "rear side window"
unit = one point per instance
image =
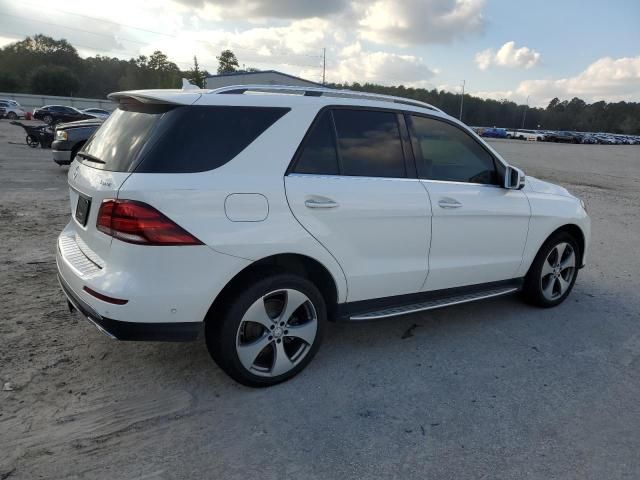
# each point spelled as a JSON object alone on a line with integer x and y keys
{"x": 177, "y": 139}
{"x": 447, "y": 153}
{"x": 319, "y": 155}
{"x": 369, "y": 143}
{"x": 196, "y": 139}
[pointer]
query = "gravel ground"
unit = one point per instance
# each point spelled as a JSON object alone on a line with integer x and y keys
{"x": 495, "y": 389}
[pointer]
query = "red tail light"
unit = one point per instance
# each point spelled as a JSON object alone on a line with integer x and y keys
{"x": 137, "y": 222}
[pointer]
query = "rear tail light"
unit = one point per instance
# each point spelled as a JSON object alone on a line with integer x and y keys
{"x": 139, "y": 223}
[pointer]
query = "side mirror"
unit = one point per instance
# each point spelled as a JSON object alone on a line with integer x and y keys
{"x": 513, "y": 178}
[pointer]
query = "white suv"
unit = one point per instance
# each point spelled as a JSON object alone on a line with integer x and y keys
{"x": 257, "y": 213}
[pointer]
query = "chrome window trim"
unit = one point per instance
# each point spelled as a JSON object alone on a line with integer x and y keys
{"x": 345, "y": 177}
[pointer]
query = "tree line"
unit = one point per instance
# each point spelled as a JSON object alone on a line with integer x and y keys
{"x": 574, "y": 114}
{"x": 44, "y": 65}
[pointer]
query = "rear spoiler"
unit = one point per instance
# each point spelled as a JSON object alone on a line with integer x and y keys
{"x": 172, "y": 97}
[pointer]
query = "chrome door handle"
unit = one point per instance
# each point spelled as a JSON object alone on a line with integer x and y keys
{"x": 449, "y": 203}
{"x": 320, "y": 204}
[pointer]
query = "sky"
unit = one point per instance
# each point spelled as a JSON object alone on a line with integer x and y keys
{"x": 525, "y": 51}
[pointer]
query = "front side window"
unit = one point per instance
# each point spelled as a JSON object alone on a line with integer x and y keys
{"x": 369, "y": 143}
{"x": 445, "y": 152}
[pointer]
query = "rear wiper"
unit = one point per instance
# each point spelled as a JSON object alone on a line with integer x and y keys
{"x": 91, "y": 158}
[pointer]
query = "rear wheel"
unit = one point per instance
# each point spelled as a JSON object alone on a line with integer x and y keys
{"x": 269, "y": 332}
{"x": 553, "y": 272}
{"x": 32, "y": 141}
{"x": 12, "y": 116}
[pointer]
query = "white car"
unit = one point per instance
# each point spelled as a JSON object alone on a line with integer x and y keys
{"x": 257, "y": 213}
{"x": 13, "y": 110}
{"x": 97, "y": 113}
{"x": 531, "y": 135}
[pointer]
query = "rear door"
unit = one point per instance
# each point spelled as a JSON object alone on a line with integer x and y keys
{"x": 479, "y": 228}
{"x": 353, "y": 187}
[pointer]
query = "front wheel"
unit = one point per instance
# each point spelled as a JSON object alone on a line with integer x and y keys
{"x": 269, "y": 332}
{"x": 553, "y": 272}
{"x": 12, "y": 116}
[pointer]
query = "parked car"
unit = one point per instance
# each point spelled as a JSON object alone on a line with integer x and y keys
{"x": 260, "y": 217}
{"x": 494, "y": 132}
{"x": 563, "y": 137}
{"x": 12, "y": 109}
{"x": 3, "y": 111}
{"x": 70, "y": 137}
{"x": 97, "y": 113}
{"x": 589, "y": 138}
{"x": 58, "y": 113}
{"x": 522, "y": 134}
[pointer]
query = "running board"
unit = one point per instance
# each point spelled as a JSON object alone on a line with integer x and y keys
{"x": 435, "y": 303}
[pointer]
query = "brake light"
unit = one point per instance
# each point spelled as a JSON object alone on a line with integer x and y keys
{"x": 139, "y": 223}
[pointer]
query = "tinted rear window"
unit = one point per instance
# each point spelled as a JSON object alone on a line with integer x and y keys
{"x": 319, "y": 155}
{"x": 177, "y": 139}
{"x": 369, "y": 143}
{"x": 121, "y": 137}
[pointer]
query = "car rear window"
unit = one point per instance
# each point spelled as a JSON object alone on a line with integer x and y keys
{"x": 176, "y": 139}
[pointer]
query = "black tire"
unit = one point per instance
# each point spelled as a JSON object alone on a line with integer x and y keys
{"x": 12, "y": 116}
{"x": 32, "y": 141}
{"x": 48, "y": 119}
{"x": 222, "y": 330}
{"x": 533, "y": 284}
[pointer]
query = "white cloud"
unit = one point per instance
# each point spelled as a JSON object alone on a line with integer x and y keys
{"x": 357, "y": 65}
{"x": 608, "y": 79}
{"x": 411, "y": 22}
{"x": 255, "y": 9}
{"x": 507, "y": 56}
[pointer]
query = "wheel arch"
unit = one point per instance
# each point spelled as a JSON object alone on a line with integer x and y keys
{"x": 572, "y": 229}
{"x": 576, "y": 232}
{"x": 294, "y": 263}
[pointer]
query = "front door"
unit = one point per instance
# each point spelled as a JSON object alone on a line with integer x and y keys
{"x": 479, "y": 229}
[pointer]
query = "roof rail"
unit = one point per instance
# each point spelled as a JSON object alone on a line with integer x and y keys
{"x": 320, "y": 92}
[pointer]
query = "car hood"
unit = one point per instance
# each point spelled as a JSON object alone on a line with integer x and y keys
{"x": 81, "y": 123}
{"x": 540, "y": 186}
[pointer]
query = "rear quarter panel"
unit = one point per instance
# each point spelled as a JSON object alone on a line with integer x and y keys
{"x": 196, "y": 201}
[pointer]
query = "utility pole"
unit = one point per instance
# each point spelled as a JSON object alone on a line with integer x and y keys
{"x": 462, "y": 100}
{"x": 324, "y": 64}
{"x": 524, "y": 114}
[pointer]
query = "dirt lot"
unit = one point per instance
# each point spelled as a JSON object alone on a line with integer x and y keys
{"x": 489, "y": 390}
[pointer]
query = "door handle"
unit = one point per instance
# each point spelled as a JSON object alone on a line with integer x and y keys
{"x": 320, "y": 204}
{"x": 449, "y": 203}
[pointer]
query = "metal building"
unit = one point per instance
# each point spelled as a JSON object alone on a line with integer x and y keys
{"x": 266, "y": 77}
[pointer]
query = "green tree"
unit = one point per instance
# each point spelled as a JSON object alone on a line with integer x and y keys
{"x": 54, "y": 80}
{"x": 227, "y": 62}
{"x": 196, "y": 76}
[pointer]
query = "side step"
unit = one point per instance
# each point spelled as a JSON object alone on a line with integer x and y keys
{"x": 434, "y": 303}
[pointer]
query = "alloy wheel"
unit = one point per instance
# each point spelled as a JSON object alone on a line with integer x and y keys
{"x": 558, "y": 271}
{"x": 276, "y": 332}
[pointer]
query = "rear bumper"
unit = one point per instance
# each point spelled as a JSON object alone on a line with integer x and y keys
{"x": 117, "y": 329}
